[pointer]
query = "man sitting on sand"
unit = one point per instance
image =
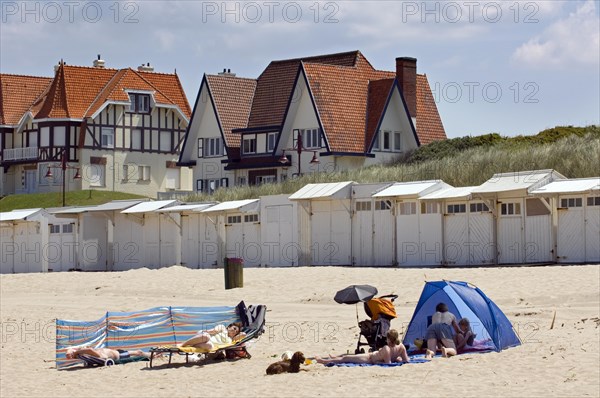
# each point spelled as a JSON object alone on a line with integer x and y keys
{"x": 105, "y": 353}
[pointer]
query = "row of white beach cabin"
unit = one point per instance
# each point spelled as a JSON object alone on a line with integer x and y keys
{"x": 513, "y": 218}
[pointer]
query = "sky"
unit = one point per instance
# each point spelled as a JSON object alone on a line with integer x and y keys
{"x": 509, "y": 67}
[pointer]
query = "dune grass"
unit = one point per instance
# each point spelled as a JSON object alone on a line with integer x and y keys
{"x": 574, "y": 155}
{"x": 54, "y": 199}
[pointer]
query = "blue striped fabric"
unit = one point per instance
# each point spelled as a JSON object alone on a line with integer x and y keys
{"x": 139, "y": 330}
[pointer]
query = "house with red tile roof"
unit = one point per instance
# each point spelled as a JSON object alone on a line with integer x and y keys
{"x": 117, "y": 129}
{"x": 306, "y": 115}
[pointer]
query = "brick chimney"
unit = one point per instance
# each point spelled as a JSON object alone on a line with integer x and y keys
{"x": 406, "y": 73}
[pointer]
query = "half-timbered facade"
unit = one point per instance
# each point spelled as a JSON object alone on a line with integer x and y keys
{"x": 122, "y": 129}
{"x": 315, "y": 114}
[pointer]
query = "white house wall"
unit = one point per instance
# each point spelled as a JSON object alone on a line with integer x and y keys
{"x": 204, "y": 125}
{"x": 396, "y": 119}
{"x": 301, "y": 115}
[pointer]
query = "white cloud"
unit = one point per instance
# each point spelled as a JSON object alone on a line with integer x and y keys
{"x": 569, "y": 41}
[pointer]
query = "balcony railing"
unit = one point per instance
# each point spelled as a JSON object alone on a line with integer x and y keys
{"x": 16, "y": 154}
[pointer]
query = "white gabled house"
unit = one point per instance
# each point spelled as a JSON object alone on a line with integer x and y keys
{"x": 314, "y": 114}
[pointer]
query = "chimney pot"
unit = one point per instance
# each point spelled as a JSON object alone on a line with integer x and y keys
{"x": 99, "y": 63}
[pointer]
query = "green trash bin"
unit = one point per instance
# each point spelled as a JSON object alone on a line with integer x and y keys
{"x": 234, "y": 272}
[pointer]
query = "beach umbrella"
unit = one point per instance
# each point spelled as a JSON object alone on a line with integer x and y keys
{"x": 355, "y": 294}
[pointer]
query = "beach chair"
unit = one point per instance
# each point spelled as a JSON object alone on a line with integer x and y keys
{"x": 253, "y": 322}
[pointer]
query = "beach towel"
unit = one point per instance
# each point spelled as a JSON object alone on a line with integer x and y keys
{"x": 382, "y": 365}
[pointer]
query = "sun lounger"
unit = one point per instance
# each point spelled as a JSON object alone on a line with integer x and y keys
{"x": 253, "y": 321}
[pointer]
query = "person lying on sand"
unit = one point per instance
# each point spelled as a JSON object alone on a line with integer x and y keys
{"x": 394, "y": 351}
{"x": 219, "y": 335}
{"x": 105, "y": 353}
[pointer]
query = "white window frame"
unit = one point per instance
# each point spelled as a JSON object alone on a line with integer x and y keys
{"x": 430, "y": 207}
{"x": 109, "y": 134}
{"x": 237, "y": 219}
{"x": 54, "y": 228}
{"x": 363, "y": 205}
{"x": 212, "y": 147}
{"x": 251, "y": 218}
{"x": 593, "y": 201}
{"x": 143, "y": 173}
{"x": 456, "y": 208}
{"x": 311, "y": 138}
{"x": 510, "y": 209}
{"x": 250, "y": 148}
{"x": 397, "y": 141}
{"x": 271, "y": 141}
{"x": 407, "y": 208}
{"x": 67, "y": 228}
{"x": 386, "y": 134}
{"x": 478, "y": 207}
{"x": 571, "y": 202}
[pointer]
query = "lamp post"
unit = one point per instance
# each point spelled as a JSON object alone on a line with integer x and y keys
{"x": 299, "y": 148}
{"x": 64, "y": 167}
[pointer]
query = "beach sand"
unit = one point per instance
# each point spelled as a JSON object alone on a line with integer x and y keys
{"x": 562, "y": 362}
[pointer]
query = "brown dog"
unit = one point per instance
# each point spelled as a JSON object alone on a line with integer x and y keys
{"x": 291, "y": 366}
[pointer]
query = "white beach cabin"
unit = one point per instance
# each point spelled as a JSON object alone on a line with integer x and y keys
{"x": 324, "y": 223}
{"x": 24, "y": 241}
{"x": 418, "y": 229}
{"x": 468, "y": 227}
{"x": 198, "y": 235}
{"x": 576, "y": 203}
{"x": 148, "y": 238}
{"x": 238, "y": 230}
{"x": 523, "y": 223}
{"x": 373, "y": 227}
{"x": 94, "y": 234}
{"x": 279, "y": 231}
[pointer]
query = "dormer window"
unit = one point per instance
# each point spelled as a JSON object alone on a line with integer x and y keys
{"x": 139, "y": 103}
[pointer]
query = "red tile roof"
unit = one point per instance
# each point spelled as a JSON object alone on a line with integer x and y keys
{"x": 276, "y": 83}
{"x": 233, "y": 99}
{"x": 429, "y": 124}
{"x": 349, "y": 95}
{"x": 78, "y": 91}
{"x": 18, "y": 94}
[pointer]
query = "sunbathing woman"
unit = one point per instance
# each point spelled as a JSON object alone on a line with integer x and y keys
{"x": 105, "y": 353}
{"x": 219, "y": 335}
{"x": 393, "y": 352}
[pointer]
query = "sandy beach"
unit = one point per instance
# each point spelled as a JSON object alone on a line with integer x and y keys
{"x": 563, "y": 361}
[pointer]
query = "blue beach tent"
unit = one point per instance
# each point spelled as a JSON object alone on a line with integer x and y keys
{"x": 492, "y": 327}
